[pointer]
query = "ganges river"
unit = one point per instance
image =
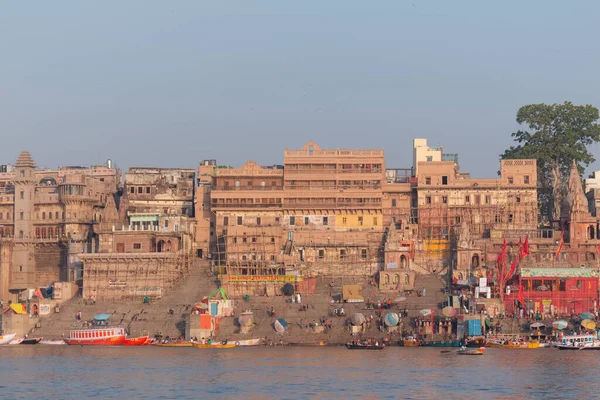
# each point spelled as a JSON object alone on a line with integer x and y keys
{"x": 48, "y": 372}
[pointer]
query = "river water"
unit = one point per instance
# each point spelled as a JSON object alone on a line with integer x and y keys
{"x": 293, "y": 373}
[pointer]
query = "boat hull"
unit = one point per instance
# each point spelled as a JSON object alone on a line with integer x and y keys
{"x": 578, "y": 348}
{"x": 362, "y": 347}
{"x": 31, "y": 341}
{"x": 213, "y": 346}
{"x": 110, "y": 341}
{"x": 186, "y": 344}
{"x": 441, "y": 344}
{"x": 7, "y": 338}
{"x": 138, "y": 341}
{"x": 53, "y": 342}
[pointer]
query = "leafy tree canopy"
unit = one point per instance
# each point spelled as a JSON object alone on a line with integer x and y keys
{"x": 555, "y": 135}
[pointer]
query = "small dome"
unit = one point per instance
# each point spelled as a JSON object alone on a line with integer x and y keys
{"x": 25, "y": 160}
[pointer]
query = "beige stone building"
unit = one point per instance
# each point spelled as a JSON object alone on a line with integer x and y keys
{"x": 44, "y": 213}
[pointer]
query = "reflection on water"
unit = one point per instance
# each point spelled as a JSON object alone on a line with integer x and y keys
{"x": 253, "y": 373}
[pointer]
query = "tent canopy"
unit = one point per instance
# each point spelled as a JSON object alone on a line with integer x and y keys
{"x": 351, "y": 294}
{"x": 17, "y": 308}
{"x": 220, "y": 291}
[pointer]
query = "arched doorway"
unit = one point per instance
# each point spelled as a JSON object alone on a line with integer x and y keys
{"x": 402, "y": 261}
{"x": 591, "y": 232}
{"x": 475, "y": 261}
{"x": 161, "y": 246}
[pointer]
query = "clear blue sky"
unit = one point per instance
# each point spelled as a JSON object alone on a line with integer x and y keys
{"x": 168, "y": 83}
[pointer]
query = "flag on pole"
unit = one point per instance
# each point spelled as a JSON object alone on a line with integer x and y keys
{"x": 562, "y": 240}
{"x": 525, "y": 248}
{"x": 521, "y": 296}
{"x": 513, "y": 267}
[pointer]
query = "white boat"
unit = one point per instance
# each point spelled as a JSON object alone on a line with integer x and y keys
{"x": 53, "y": 342}
{"x": 244, "y": 342}
{"x": 16, "y": 341}
{"x": 7, "y": 338}
{"x": 578, "y": 342}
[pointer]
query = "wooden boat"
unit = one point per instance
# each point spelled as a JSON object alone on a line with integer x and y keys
{"x": 410, "y": 342}
{"x": 455, "y": 343}
{"x": 310, "y": 344}
{"x": 53, "y": 342}
{"x": 174, "y": 344}
{"x": 476, "y": 343}
{"x": 243, "y": 342}
{"x": 31, "y": 341}
{"x": 138, "y": 341}
{"x": 97, "y": 336}
{"x": 502, "y": 345}
{"x": 7, "y": 338}
{"x": 471, "y": 352}
{"x": 363, "y": 347}
{"x": 213, "y": 346}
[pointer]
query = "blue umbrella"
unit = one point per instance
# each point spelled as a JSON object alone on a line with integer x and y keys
{"x": 586, "y": 315}
{"x": 283, "y": 322}
{"x": 391, "y": 319}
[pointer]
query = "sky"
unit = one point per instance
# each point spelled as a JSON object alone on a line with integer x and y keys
{"x": 170, "y": 83}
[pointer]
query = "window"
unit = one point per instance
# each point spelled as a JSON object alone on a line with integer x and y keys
{"x": 325, "y": 221}
{"x": 375, "y": 221}
{"x": 510, "y": 218}
{"x": 177, "y": 228}
{"x": 467, "y": 199}
{"x": 21, "y": 235}
{"x": 360, "y": 221}
{"x": 258, "y": 221}
{"x": 526, "y": 179}
{"x": 225, "y": 221}
{"x": 272, "y": 258}
{"x": 457, "y": 219}
{"x": 344, "y": 221}
{"x": 477, "y": 199}
{"x": 518, "y": 199}
{"x": 444, "y": 180}
{"x": 137, "y": 246}
{"x": 342, "y": 254}
{"x": 306, "y": 220}
{"x": 234, "y": 240}
{"x": 21, "y": 215}
{"x": 363, "y": 254}
{"x": 526, "y": 217}
{"x": 321, "y": 254}
{"x": 428, "y": 180}
{"x": 498, "y": 219}
{"x": 488, "y": 199}
{"x": 429, "y": 158}
{"x": 393, "y": 202}
{"x": 148, "y": 190}
{"x": 445, "y": 199}
{"x": 20, "y": 268}
{"x": 22, "y": 195}
{"x": 510, "y": 180}
{"x": 56, "y": 215}
{"x": 239, "y": 220}
{"x": 132, "y": 190}
{"x": 22, "y": 173}
{"x": 292, "y": 220}
{"x": 253, "y": 240}
{"x": 140, "y": 189}
{"x": 244, "y": 239}
{"x": 276, "y": 220}
{"x": 272, "y": 240}
{"x": 50, "y": 215}
{"x": 428, "y": 200}
{"x": 44, "y": 215}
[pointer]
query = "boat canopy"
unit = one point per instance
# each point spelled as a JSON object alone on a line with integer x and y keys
{"x": 102, "y": 317}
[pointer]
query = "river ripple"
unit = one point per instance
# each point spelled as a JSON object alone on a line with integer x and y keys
{"x": 293, "y": 372}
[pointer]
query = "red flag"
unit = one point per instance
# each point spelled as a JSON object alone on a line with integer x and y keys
{"x": 521, "y": 296}
{"x": 512, "y": 269}
{"x": 525, "y": 248}
{"x": 38, "y": 293}
{"x": 562, "y": 240}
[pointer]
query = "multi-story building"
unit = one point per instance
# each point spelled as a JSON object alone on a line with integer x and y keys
{"x": 42, "y": 214}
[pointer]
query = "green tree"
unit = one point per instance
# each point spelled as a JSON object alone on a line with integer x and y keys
{"x": 555, "y": 135}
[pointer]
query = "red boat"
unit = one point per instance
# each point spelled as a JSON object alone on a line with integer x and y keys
{"x": 138, "y": 341}
{"x": 98, "y": 336}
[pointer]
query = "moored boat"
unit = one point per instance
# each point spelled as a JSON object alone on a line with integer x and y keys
{"x": 578, "y": 342}
{"x": 7, "y": 338}
{"x": 309, "y": 344}
{"x": 174, "y": 344}
{"x": 31, "y": 341}
{"x": 138, "y": 341}
{"x": 455, "y": 343}
{"x": 99, "y": 336}
{"x": 243, "y": 342}
{"x": 410, "y": 342}
{"x": 471, "y": 352}
{"x": 52, "y": 342}
{"x": 214, "y": 346}
{"x": 364, "y": 347}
